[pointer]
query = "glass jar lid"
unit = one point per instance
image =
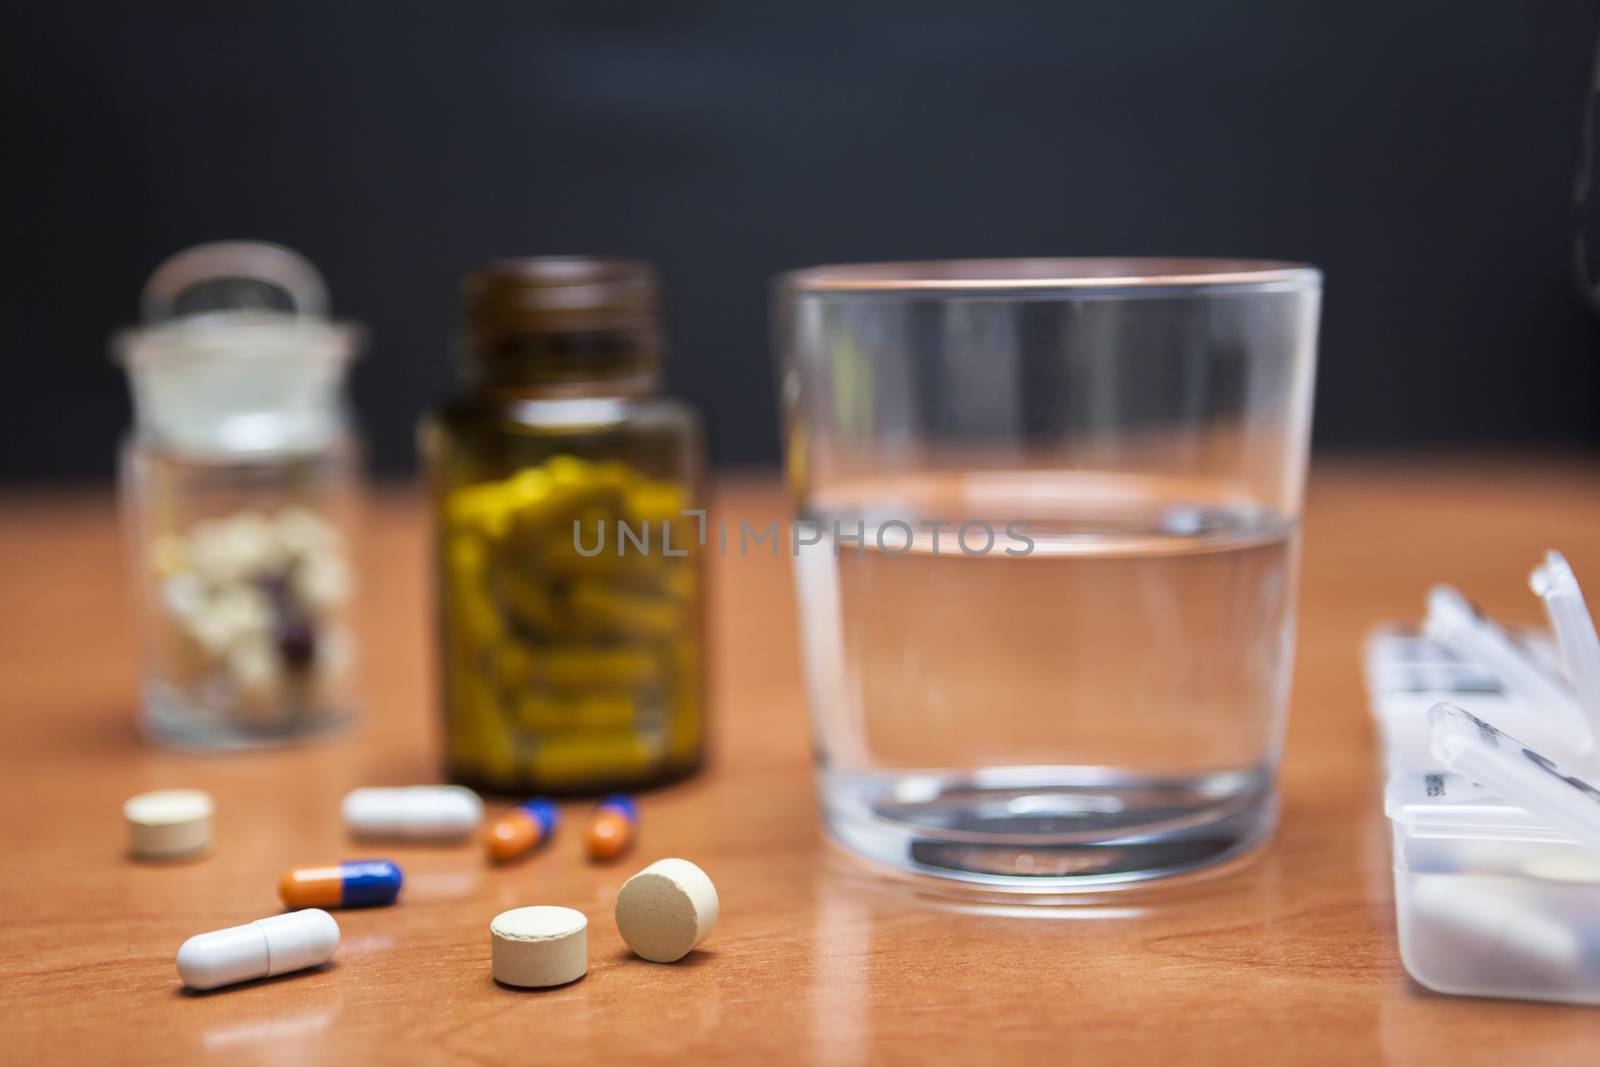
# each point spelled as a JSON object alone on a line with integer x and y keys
{"x": 236, "y": 354}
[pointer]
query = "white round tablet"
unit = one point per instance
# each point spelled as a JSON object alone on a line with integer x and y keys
{"x": 667, "y": 909}
{"x": 539, "y": 946}
{"x": 168, "y": 823}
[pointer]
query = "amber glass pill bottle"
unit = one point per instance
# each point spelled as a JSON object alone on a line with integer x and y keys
{"x": 567, "y": 544}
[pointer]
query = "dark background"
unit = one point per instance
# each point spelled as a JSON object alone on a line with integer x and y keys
{"x": 1421, "y": 153}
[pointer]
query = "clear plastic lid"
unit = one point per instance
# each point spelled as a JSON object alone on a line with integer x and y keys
{"x": 1546, "y": 712}
{"x": 1450, "y": 803}
{"x": 1557, "y": 586}
{"x": 237, "y": 355}
{"x": 1516, "y": 775}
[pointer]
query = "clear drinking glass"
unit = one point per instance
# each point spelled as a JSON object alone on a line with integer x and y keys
{"x": 1045, "y": 556}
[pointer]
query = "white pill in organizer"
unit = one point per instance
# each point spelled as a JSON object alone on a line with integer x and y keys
{"x": 275, "y": 945}
{"x": 168, "y": 823}
{"x": 538, "y": 947}
{"x": 413, "y": 813}
{"x": 667, "y": 909}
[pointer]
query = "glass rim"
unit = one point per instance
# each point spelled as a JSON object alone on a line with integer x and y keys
{"x": 1077, "y": 272}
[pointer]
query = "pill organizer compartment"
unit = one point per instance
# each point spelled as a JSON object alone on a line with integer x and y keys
{"x": 1545, "y": 691}
{"x": 1496, "y": 843}
{"x": 1408, "y": 672}
{"x": 1497, "y": 867}
{"x": 1489, "y": 900}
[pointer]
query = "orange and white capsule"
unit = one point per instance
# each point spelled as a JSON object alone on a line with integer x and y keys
{"x": 521, "y": 829}
{"x": 612, "y": 827}
{"x": 352, "y": 884}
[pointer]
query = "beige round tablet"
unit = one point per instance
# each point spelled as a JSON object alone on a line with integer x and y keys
{"x": 168, "y": 823}
{"x": 540, "y": 946}
{"x": 666, "y": 909}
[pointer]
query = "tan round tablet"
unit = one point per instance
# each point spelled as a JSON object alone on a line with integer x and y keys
{"x": 540, "y": 946}
{"x": 168, "y": 823}
{"x": 666, "y": 909}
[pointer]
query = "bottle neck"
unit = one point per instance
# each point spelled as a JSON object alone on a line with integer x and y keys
{"x": 596, "y": 362}
{"x": 561, "y": 326}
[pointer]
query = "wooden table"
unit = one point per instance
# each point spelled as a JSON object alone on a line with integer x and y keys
{"x": 1289, "y": 958}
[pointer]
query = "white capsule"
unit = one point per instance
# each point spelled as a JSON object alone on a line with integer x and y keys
{"x": 243, "y": 612}
{"x": 229, "y": 551}
{"x": 253, "y": 664}
{"x": 185, "y": 595}
{"x": 275, "y": 945}
{"x": 302, "y": 532}
{"x": 413, "y": 813}
{"x": 322, "y": 582}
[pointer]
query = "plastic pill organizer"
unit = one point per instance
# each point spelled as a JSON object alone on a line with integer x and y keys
{"x": 1490, "y": 743}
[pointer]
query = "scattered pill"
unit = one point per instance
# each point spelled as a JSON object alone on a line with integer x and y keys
{"x": 267, "y": 947}
{"x": 413, "y": 813}
{"x": 666, "y": 909}
{"x": 168, "y": 823}
{"x": 611, "y": 827}
{"x": 521, "y": 829}
{"x": 539, "y": 946}
{"x": 351, "y": 884}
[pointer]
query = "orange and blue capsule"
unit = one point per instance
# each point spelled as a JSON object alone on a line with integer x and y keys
{"x": 521, "y": 829}
{"x": 351, "y": 884}
{"x": 612, "y": 827}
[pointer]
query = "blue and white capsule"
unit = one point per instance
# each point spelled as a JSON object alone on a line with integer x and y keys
{"x": 351, "y": 884}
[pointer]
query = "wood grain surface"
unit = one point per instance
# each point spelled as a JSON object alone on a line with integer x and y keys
{"x": 1287, "y": 957}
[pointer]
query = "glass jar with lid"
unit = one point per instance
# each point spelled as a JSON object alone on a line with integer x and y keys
{"x": 238, "y": 485}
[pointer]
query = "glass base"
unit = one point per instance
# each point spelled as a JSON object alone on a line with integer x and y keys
{"x": 1049, "y": 829}
{"x": 173, "y": 720}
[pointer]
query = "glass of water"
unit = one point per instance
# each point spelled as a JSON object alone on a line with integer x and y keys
{"x": 1045, "y": 556}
